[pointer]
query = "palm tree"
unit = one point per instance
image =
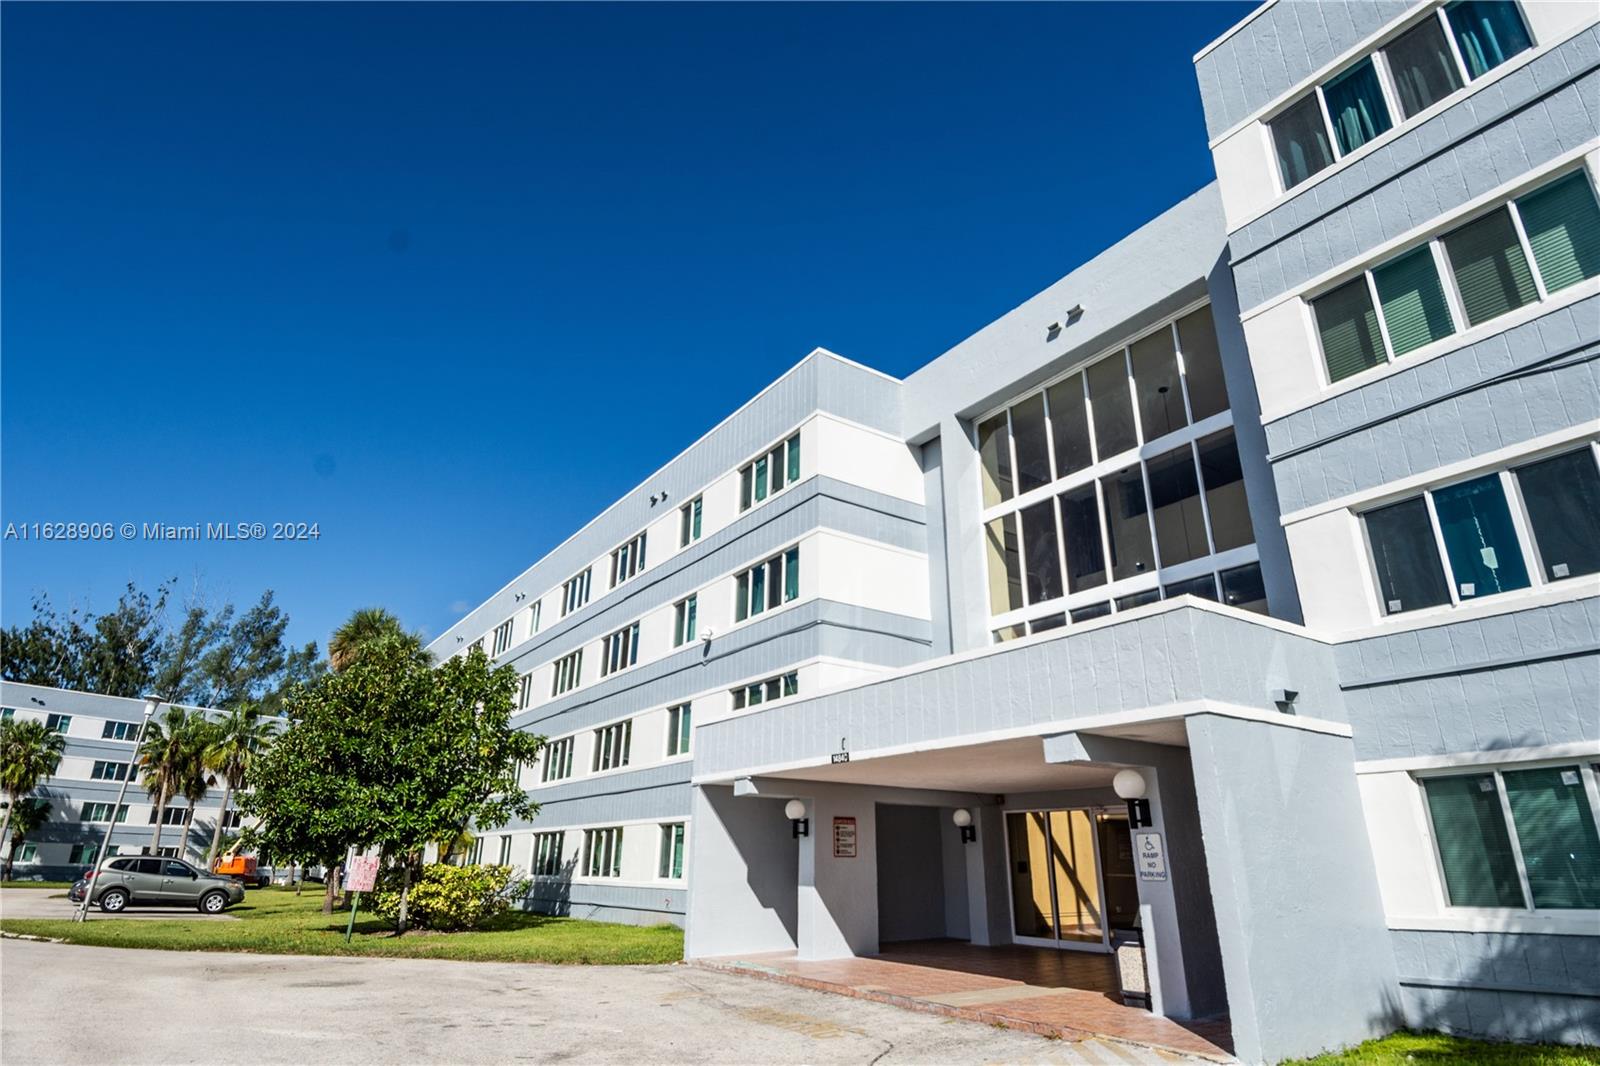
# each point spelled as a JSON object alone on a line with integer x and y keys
{"x": 173, "y": 762}
{"x": 368, "y": 626}
{"x": 238, "y": 738}
{"x": 29, "y": 753}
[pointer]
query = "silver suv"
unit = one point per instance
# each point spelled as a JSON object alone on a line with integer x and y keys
{"x": 148, "y": 880}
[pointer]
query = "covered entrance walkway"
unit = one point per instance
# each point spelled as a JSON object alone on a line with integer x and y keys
{"x": 1066, "y": 994}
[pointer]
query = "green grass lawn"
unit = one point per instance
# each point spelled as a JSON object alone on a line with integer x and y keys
{"x": 274, "y": 921}
{"x": 36, "y": 884}
{"x": 1421, "y": 1049}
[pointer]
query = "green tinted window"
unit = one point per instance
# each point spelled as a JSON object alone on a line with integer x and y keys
{"x": 1491, "y": 271}
{"x": 1563, "y": 226}
{"x": 1556, "y": 831}
{"x": 1414, "y": 307}
{"x": 1348, "y": 327}
{"x": 1485, "y": 555}
{"x": 1474, "y": 847}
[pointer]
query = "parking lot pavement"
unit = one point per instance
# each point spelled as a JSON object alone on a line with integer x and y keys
{"x": 53, "y": 903}
{"x": 175, "y": 1007}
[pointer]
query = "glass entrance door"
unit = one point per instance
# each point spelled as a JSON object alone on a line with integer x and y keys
{"x": 1059, "y": 894}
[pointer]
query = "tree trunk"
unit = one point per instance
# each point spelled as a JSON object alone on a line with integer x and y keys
{"x": 161, "y": 816}
{"x": 222, "y": 816}
{"x": 405, "y": 894}
{"x": 299, "y": 882}
{"x": 330, "y": 886}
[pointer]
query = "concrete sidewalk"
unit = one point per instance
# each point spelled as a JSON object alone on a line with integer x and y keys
{"x": 174, "y": 1007}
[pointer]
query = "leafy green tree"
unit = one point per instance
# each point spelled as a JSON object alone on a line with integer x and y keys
{"x": 236, "y": 741}
{"x": 389, "y": 753}
{"x": 172, "y": 761}
{"x": 366, "y": 627}
{"x": 29, "y": 754}
{"x": 24, "y": 817}
{"x": 114, "y": 654}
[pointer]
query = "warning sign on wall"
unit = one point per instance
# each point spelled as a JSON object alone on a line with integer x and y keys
{"x": 844, "y": 838}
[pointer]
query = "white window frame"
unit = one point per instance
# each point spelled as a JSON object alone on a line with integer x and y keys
{"x": 557, "y": 763}
{"x": 691, "y": 521}
{"x": 533, "y": 616}
{"x": 502, "y": 637}
{"x": 744, "y": 594}
{"x": 575, "y": 591}
{"x": 1447, "y": 280}
{"x": 685, "y": 620}
{"x": 613, "y": 747}
{"x": 525, "y": 691}
{"x": 620, "y": 650}
{"x": 736, "y": 691}
{"x": 548, "y": 856}
{"x": 628, "y": 559}
{"x": 675, "y": 717}
{"x": 567, "y": 673}
{"x": 116, "y": 768}
{"x": 1586, "y": 767}
{"x": 674, "y": 843}
{"x": 774, "y": 453}
{"x": 602, "y": 851}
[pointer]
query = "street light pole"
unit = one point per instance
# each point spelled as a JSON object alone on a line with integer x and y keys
{"x": 150, "y": 705}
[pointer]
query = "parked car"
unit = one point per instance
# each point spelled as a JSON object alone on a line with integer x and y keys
{"x": 147, "y": 880}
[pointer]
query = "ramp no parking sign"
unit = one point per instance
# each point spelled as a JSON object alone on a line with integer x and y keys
{"x": 1149, "y": 856}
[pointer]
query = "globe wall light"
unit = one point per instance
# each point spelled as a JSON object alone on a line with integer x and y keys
{"x": 1130, "y": 785}
{"x": 795, "y": 811}
{"x": 963, "y": 820}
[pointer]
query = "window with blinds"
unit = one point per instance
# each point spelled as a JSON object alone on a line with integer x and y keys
{"x": 1348, "y": 327}
{"x": 1546, "y": 858}
{"x": 1563, "y": 225}
{"x": 1415, "y": 310}
{"x": 1516, "y": 254}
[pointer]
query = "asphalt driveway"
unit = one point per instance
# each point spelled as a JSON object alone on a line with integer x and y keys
{"x": 53, "y": 903}
{"x": 130, "y": 1006}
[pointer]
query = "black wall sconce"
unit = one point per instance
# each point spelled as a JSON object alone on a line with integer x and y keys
{"x": 963, "y": 820}
{"x": 795, "y": 811}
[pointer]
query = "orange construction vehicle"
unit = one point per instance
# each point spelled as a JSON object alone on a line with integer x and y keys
{"x": 239, "y": 867}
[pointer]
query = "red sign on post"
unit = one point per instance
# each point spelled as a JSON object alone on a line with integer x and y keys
{"x": 844, "y": 838}
{"x": 362, "y": 874}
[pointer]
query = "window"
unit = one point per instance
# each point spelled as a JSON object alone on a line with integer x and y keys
{"x": 568, "y": 673}
{"x": 1048, "y": 622}
{"x": 1562, "y": 221}
{"x": 1423, "y": 68}
{"x": 58, "y": 723}
{"x": 1204, "y": 586}
{"x": 575, "y": 592}
{"x": 767, "y": 585}
{"x": 680, "y": 729}
{"x": 163, "y": 852}
{"x": 27, "y": 853}
{"x": 611, "y": 746}
{"x": 108, "y": 771}
{"x": 1522, "y": 839}
{"x": 1463, "y": 541}
{"x": 773, "y": 688}
{"x": 172, "y": 815}
{"x": 683, "y": 620}
{"x": 101, "y": 812}
{"x": 1512, "y": 256}
{"x": 1301, "y": 140}
{"x": 533, "y": 617}
{"x": 557, "y": 760}
{"x": 627, "y": 560}
{"x": 1562, "y": 497}
{"x": 232, "y": 819}
{"x": 602, "y": 852}
{"x": 547, "y": 854}
{"x": 689, "y": 522}
{"x": 119, "y": 731}
{"x": 1186, "y": 501}
{"x": 672, "y": 852}
{"x": 621, "y": 650}
{"x": 1243, "y": 588}
{"x": 502, "y": 638}
{"x": 82, "y": 854}
{"x": 475, "y": 853}
{"x": 505, "y": 851}
{"x": 769, "y": 474}
{"x": 1089, "y": 613}
{"x": 177, "y": 869}
{"x": 1356, "y": 106}
{"x": 525, "y": 691}
{"x": 8, "y": 713}
{"x": 1488, "y": 32}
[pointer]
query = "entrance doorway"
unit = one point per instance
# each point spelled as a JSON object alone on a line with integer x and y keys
{"x": 1072, "y": 877}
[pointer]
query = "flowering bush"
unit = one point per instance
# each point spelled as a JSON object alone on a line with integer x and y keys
{"x": 450, "y": 898}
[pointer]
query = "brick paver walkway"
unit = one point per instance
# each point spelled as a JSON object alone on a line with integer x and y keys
{"x": 1066, "y": 994}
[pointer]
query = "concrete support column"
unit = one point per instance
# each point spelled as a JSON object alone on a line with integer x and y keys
{"x": 838, "y": 893}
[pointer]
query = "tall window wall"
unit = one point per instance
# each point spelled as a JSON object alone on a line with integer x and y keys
{"x": 1117, "y": 484}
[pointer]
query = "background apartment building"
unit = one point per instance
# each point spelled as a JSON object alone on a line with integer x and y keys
{"x": 99, "y": 756}
{"x": 1289, "y": 501}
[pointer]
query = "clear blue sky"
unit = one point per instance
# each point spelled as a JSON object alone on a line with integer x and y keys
{"x": 448, "y": 280}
